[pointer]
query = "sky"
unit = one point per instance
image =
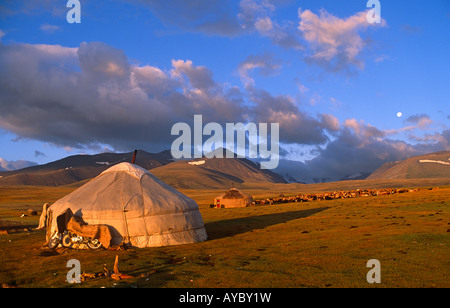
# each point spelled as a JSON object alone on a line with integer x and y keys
{"x": 348, "y": 95}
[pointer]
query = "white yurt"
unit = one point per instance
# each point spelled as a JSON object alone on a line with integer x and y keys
{"x": 139, "y": 209}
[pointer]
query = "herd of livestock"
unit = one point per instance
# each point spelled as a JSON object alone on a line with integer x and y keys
{"x": 332, "y": 195}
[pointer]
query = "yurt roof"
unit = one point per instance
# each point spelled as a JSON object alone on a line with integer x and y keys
{"x": 233, "y": 193}
{"x": 133, "y": 170}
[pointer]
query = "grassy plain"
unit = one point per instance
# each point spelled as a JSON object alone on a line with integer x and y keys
{"x": 312, "y": 244}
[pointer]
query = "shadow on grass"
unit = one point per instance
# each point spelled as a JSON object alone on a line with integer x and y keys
{"x": 226, "y": 228}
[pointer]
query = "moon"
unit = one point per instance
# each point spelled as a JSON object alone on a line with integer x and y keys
{"x": 399, "y": 114}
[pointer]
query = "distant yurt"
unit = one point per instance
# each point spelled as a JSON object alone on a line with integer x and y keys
{"x": 139, "y": 209}
{"x": 233, "y": 198}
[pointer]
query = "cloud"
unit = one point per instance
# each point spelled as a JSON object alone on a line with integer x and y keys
{"x": 264, "y": 24}
{"x": 296, "y": 126}
{"x": 446, "y": 138}
{"x": 214, "y": 17}
{"x": 101, "y": 61}
{"x": 82, "y": 97}
{"x": 13, "y": 7}
{"x": 334, "y": 43}
{"x": 252, "y": 10}
{"x": 330, "y": 122}
{"x": 49, "y": 28}
{"x": 39, "y": 153}
{"x": 381, "y": 58}
{"x": 266, "y": 64}
{"x": 217, "y": 17}
{"x": 257, "y": 16}
{"x": 416, "y": 122}
{"x": 420, "y": 120}
{"x": 301, "y": 87}
{"x": 359, "y": 147}
{"x": 77, "y": 99}
{"x": 432, "y": 142}
{"x": 6, "y": 165}
{"x": 365, "y": 131}
{"x": 199, "y": 77}
{"x": 92, "y": 95}
{"x": 408, "y": 29}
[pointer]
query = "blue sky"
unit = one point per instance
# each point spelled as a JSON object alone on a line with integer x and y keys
{"x": 133, "y": 68}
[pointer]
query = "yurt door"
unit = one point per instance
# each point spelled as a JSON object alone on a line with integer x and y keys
{"x": 133, "y": 209}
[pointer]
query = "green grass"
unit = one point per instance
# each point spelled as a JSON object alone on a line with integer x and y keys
{"x": 316, "y": 244}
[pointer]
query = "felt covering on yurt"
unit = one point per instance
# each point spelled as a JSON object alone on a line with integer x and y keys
{"x": 139, "y": 209}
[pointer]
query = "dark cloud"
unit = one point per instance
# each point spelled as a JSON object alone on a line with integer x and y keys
{"x": 432, "y": 142}
{"x": 359, "y": 148}
{"x": 199, "y": 77}
{"x": 46, "y": 96}
{"x": 39, "y": 153}
{"x": 296, "y": 126}
{"x": 446, "y": 136}
{"x": 207, "y": 16}
{"x": 99, "y": 61}
{"x": 91, "y": 95}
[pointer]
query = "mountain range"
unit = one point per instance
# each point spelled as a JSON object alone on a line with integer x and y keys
{"x": 205, "y": 172}
{"x": 214, "y": 173}
{"x": 197, "y": 173}
{"x": 434, "y": 165}
{"x": 79, "y": 167}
